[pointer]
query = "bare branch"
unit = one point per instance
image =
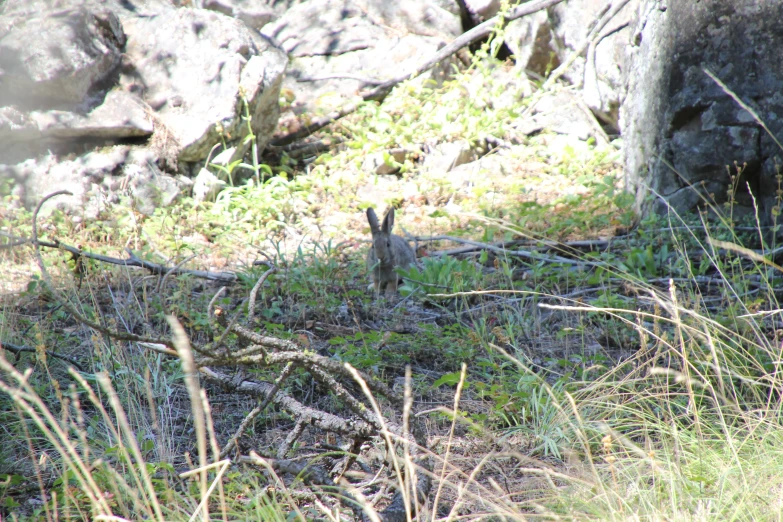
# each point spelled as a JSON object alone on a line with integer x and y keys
{"x": 15, "y": 349}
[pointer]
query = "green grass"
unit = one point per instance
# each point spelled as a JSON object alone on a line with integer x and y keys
{"x": 593, "y": 392}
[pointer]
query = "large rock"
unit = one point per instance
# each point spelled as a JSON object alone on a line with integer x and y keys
{"x": 52, "y": 58}
{"x": 72, "y": 89}
{"x": 197, "y": 69}
{"x": 336, "y": 45}
{"x": 121, "y": 115}
{"x": 57, "y": 64}
{"x": 562, "y": 112}
{"x": 544, "y": 40}
{"x": 531, "y": 41}
{"x": 96, "y": 179}
{"x": 600, "y": 70}
{"x": 681, "y": 130}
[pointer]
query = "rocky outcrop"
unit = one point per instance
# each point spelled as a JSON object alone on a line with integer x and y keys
{"x": 197, "y": 69}
{"x": 54, "y": 58}
{"x": 593, "y": 35}
{"x": 97, "y": 179}
{"x": 121, "y": 115}
{"x": 681, "y": 129}
{"x": 170, "y": 87}
{"x": 255, "y": 14}
{"x": 338, "y": 47}
{"x": 165, "y": 84}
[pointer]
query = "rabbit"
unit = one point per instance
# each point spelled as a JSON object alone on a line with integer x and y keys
{"x": 388, "y": 252}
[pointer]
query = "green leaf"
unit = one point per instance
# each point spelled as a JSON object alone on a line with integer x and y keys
{"x": 450, "y": 378}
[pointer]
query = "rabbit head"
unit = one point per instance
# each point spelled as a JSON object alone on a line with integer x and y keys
{"x": 382, "y": 236}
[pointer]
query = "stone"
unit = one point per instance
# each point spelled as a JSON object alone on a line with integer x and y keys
{"x": 561, "y": 112}
{"x": 97, "y": 180}
{"x": 446, "y": 156}
{"x": 200, "y": 70}
{"x": 150, "y": 188}
{"x": 376, "y": 163}
{"x": 545, "y": 40}
{"x": 531, "y": 41}
{"x": 353, "y": 43}
{"x": 206, "y": 186}
{"x": 484, "y": 8}
{"x": 599, "y": 71}
{"x": 378, "y": 191}
{"x": 682, "y": 130}
{"x": 86, "y": 82}
{"x": 55, "y": 57}
{"x": 120, "y": 116}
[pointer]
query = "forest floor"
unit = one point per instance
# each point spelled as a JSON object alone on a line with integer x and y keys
{"x": 603, "y": 356}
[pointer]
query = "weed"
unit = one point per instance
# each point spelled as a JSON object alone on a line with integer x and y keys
{"x": 441, "y": 275}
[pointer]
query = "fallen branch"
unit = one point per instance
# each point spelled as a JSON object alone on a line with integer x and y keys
{"x": 595, "y": 244}
{"x": 515, "y": 253}
{"x": 16, "y": 350}
{"x": 46, "y": 280}
{"x": 313, "y": 417}
{"x": 309, "y": 474}
{"x": 134, "y": 261}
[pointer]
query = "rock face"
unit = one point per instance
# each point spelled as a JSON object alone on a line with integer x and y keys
{"x": 336, "y": 45}
{"x": 681, "y": 129}
{"x": 253, "y": 13}
{"x": 547, "y": 39}
{"x": 197, "y": 69}
{"x": 81, "y": 77}
{"x": 54, "y": 57}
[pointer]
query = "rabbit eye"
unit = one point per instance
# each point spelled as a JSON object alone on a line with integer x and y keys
{"x": 388, "y": 243}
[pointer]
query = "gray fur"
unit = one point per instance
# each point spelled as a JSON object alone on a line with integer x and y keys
{"x": 388, "y": 252}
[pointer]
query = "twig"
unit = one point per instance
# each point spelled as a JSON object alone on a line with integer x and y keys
{"x": 172, "y": 270}
{"x": 251, "y": 305}
{"x": 15, "y": 349}
{"x": 340, "y": 76}
{"x": 293, "y": 436}
{"x": 47, "y": 282}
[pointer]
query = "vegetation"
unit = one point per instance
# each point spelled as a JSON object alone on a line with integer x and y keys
{"x": 631, "y": 379}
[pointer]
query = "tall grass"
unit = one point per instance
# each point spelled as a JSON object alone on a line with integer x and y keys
{"x": 688, "y": 429}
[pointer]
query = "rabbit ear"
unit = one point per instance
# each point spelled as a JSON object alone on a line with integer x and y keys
{"x": 388, "y": 221}
{"x": 373, "y": 220}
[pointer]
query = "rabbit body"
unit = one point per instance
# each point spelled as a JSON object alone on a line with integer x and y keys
{"x": 388, "y": 252}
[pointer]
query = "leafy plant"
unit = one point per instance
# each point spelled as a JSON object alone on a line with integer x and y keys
{"x": 440, "y": 275}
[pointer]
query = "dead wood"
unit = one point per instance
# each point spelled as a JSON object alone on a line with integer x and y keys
{"x": 160, "y": 345}
{"x": 538, "y": 246}
{"x": 131, "y": 261}
{"x": 310, "y": 474}
{"x": 515, "y": 253}
{"x": 16, "y": 350}
{"x": 311, "y": 416}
